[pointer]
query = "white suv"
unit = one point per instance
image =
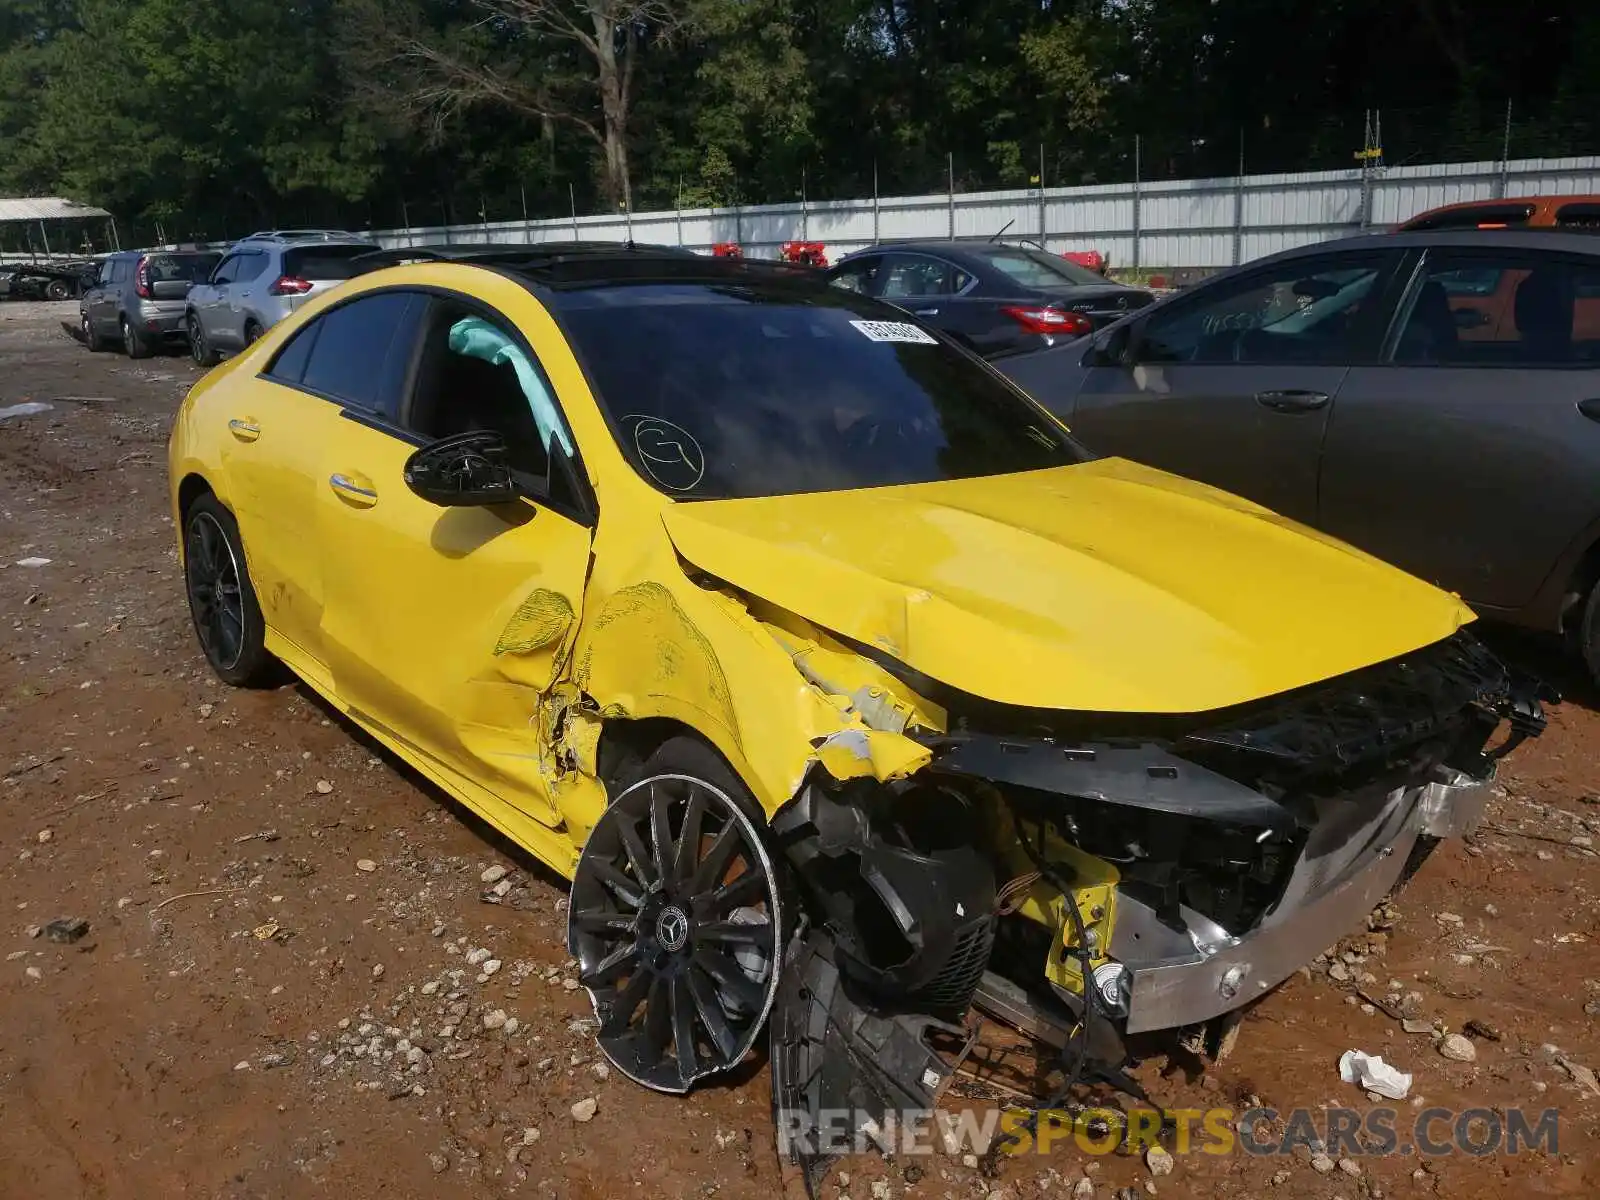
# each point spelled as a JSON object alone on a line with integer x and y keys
{"x": 262, "y": 279}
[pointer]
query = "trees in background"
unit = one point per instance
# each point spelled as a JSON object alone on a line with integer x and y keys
{"x": 207, "y": 117}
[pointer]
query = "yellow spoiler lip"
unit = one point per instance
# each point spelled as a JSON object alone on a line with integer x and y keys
{"x": 1104, "y": 586}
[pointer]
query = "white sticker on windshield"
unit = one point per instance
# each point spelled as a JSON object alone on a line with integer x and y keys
{"x": 895, "y": 331}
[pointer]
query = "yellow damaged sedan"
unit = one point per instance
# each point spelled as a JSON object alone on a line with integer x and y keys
{"x": 849, "y": 691}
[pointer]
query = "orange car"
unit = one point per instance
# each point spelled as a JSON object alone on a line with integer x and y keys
{"x": 1528, "y": 212}
{"x": 1483, "y": 301}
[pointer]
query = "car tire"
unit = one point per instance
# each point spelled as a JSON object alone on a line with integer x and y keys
{"x": 677, "y": 920}
{"x": 252, "y": 333}
{"x": 91, "y": 335}
{"x": 222, "y": 602}
{"x": 58, "y": 289}
{"x": 133, "y": 343}
{"x": 199, "y": 346}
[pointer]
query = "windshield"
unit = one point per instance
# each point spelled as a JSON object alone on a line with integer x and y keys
{"x": 723, "y": 390}
{"x": 1035, "y": 268}
{"x": 189, "y": 268}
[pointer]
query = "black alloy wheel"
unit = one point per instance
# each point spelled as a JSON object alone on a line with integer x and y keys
{"x": 212, "y": 574}
{"x": 222, "y": 601}
{"x": 675, "y": 922}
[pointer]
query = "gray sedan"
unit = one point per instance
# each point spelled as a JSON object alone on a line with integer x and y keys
{"x": 1433, "y": 398}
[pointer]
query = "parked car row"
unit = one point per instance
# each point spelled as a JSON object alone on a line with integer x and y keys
{"x": 213, "y": 302}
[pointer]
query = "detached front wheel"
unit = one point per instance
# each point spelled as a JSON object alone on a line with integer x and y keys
{"x": 222, "y": 602}
{"x": 675, "y": 921}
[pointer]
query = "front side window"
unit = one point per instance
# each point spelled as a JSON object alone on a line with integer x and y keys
{"x": 474, "y": 375}
{"x": 354, "y": 347}
{"x": 858, "y": 275}
{"x": 756, "y": 388}
{"x": 1542, "y": 310}
{"x": 914, "y": 275}
{"x": 225, "y": 270}
{"x": 1306, "y": 311}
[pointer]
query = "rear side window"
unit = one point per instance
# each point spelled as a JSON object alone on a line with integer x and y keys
{"x": 318, "y": 263}
{"x": 250, "y": 266}
{"x": 1478, "y": 216}
{"x": 290, "y": 365}
{"x": 1035, "y": 268}
{"x": 354, "y": 350}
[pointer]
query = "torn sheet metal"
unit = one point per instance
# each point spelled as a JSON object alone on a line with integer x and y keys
{"x": 858, "y": 753}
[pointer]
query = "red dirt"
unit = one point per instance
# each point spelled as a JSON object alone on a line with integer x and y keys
{"x": 178, "y": 1049}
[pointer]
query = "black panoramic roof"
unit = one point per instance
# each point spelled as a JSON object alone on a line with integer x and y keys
{"x": 592, "y": 264}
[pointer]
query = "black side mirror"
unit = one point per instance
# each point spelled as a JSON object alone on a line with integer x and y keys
{"x": 1111, "y": 347}
{"x": 463, "y": 471}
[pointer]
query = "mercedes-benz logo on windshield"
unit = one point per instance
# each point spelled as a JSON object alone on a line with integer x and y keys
{"x": 672, "y": 928}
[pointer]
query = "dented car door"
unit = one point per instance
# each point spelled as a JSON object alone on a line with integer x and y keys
{"x": 447, "y": 627}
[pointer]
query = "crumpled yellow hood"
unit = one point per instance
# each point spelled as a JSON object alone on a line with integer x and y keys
{"x": 1106, "y": 586}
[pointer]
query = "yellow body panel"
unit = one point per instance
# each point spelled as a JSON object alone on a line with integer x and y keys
{"x": 1107, "y": 586}
{"x": 491, "y": 647}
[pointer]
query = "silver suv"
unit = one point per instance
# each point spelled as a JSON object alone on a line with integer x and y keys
{"x": 262, "y": 279}
{"x": 138, "y": 298}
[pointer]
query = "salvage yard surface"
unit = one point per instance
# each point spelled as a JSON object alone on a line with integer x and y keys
{"x": 308, "y": 973}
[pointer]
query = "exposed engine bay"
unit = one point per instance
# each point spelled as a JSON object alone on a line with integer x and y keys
{"x": 1182, "y": 866}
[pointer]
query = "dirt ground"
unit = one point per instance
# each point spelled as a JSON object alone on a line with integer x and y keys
{"x": 282, "y": 991}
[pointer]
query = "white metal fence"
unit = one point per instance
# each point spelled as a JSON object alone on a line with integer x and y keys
{"x": 1194, "y": 223}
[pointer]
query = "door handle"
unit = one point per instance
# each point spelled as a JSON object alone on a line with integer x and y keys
{"x": 1590, "y": 408}
{"x": 357, "y": 489}
{"x": 244, "y": 430}
{"x": 1292, "y": 400}
{"x": 925, "y": 312}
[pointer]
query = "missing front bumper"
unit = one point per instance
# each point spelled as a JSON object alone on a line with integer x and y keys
{"x": 1185, "y": 977}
